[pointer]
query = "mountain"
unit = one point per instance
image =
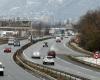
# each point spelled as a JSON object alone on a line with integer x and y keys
{"x": 47, "y": 9}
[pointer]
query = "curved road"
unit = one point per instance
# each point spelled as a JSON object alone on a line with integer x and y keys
{"x": 12, "y": 71}
{"x": 60, "y": 64}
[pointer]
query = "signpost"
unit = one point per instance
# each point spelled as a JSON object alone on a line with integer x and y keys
{"x": 96, "y": 55}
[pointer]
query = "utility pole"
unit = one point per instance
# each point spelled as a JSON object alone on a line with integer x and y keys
{"x": 31, "y": 30}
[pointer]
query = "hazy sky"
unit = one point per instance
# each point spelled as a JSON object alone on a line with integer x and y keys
{"x": 59, "y": 9}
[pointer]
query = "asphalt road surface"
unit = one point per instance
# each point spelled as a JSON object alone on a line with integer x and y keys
{"x": 12, "y": 71}
{"x": 60, "y": 64}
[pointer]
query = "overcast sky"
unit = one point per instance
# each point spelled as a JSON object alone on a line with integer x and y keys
{"x": 59, "y": 9}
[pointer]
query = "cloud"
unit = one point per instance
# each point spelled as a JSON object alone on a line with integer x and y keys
{"x": 30, "y": 2}
{"x": 55, "y": 1}
{"x": 14, "y": 8}
{"x": 60, "y": 1}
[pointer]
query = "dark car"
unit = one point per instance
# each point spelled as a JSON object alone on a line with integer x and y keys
{"x": 7, "y": 50}
{"x": 61, "y": 38}
{"x": 45, "y": 44}
{"x": 52, "y": 53}
{"x": 16, "y": 43}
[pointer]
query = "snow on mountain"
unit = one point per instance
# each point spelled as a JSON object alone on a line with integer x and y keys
{"x": 59, "y": 9}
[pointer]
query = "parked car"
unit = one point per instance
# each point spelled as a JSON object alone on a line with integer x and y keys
{"x": 1, "y": 69}
{"x": 36, "y": 55}
{"x": 52, "y": 53}
{"x": 48, "y": 60}
{"x": 16, "y": 43}
{"x": 45, "y": 44}
{"x": 8, "y": 50}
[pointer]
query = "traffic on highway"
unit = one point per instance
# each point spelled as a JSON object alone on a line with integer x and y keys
{"x": 9, "y": 70}
{"x": 49, "y": 40}
{"x": 44, "y": 53}
{"x": 56, "y": 62}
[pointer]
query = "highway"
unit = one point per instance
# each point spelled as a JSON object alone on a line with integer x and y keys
{"x": 12, "y": 71}
{"x": 60, "y": 64}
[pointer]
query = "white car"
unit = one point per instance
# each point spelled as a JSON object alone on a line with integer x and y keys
{"x": 1, "y": 70}
{"x": 48, "y": 60}
{"x": 10, "y": 42}
{"x": 36, "y": 55}
{"x": 58, "y": 39}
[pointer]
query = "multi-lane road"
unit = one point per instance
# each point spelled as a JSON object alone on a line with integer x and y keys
{"x": 60, "y": 64}
{"x": 12, "y": 71}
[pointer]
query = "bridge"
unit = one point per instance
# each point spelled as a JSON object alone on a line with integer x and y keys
{"x": 14, "y": 28}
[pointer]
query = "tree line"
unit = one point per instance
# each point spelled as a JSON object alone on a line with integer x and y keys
{"x": 89, "y": 29}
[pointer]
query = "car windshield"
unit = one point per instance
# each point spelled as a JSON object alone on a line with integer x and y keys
{"x": 36, "y": 52}
{"x": 52, "y": 52}
{"x": 7, "y": 48}
{"x": 16, "y": 41}
{"x": 97, "y": 52}
{"x": 49, "y": 57}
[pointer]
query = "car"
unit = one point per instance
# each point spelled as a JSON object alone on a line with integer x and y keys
{"x": 70, "y": 33}
{"x": 48, "y": 60}
{"x": 36, "y": 55}
{"x": 58, "y": 39}
{"x": 1, "y": 69}
{"x": 10, "y": 42}
{"x": 16, "y": 43}
{"x": 61, "y": 37}
{"x": 52, "y": 53}
{"x": 66, "y": 36}
{"x": 8, "y": 50}
{"x": 45, "y": 44}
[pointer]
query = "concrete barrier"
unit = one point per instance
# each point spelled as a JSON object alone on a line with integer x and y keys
{"x": 47, "y": 72}
{"x": 79, "y": 49}
{"x": 76, "y": 47}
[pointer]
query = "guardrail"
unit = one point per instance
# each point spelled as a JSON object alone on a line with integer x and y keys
{"x": 3, "y": 40}
{"x": 52, "y": 74}
{"x": 74, "y": 46}
{"x": 85, "y": 62}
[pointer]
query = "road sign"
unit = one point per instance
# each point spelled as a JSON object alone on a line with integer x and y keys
{"x": 96, "y": 56}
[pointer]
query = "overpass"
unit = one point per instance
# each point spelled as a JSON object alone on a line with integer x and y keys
{"x": 22, "y": 31}
{"x": 14, "y": 28}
